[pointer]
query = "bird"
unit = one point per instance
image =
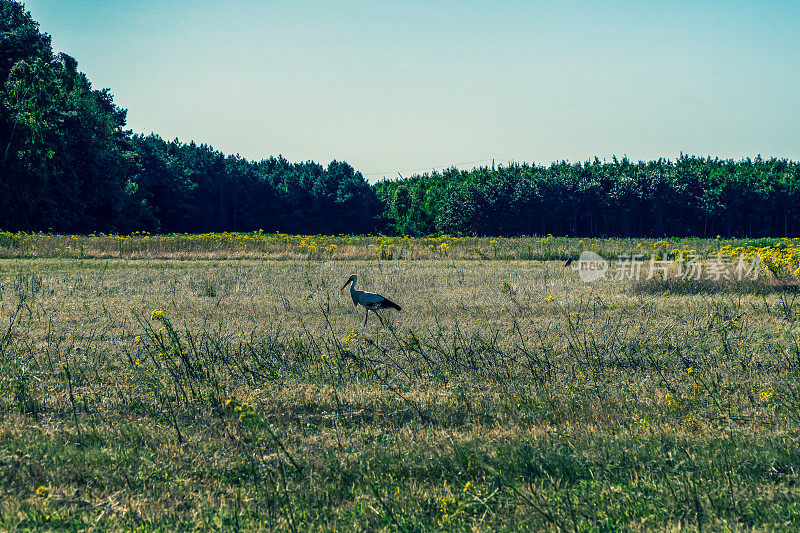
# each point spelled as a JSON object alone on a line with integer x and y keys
{"x": 369, "y": 300}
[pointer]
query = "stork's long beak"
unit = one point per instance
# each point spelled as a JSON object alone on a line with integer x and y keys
{"x": 346, "y": 283}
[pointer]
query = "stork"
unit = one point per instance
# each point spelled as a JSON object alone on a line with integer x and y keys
{"x": 369, "y": 300}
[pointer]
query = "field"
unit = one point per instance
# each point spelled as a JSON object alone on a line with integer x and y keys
{"x": 181, "y": 383}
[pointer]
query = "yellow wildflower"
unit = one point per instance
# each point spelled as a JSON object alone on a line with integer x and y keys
{"x": 351, "y": 336}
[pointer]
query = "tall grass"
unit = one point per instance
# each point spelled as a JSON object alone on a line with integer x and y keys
{"x": 259, "y": 245}
{"x": 507, "y": 394}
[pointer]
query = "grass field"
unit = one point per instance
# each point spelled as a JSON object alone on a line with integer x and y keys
{"x": 259, "y": 245}
{"x": 143, "y": 393}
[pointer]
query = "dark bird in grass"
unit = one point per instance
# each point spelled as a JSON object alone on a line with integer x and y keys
{"x": 568, "y": 263}
{"x": 369, "y": 300}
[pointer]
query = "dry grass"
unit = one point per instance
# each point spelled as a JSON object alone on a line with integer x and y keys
{"x": 280, "y": 246}
{"x": 257, "y": 401}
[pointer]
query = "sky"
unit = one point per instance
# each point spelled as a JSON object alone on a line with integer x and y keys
{"x": 408, "y": 87}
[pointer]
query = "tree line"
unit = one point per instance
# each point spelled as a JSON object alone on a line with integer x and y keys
{"x": 190, "y": 188}
{"x": 692, "y": 196}
{"x": 67, "y": 164}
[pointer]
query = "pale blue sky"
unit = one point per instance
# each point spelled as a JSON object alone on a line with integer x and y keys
{"x": 410, "y": 86}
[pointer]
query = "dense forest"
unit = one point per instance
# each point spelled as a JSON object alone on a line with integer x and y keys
{"x": 67, "y": 164}
{"x": 690, "y": 196}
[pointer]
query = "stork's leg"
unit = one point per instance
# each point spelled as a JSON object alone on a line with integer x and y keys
{"x": 366, "y": 316}
{"x": 379, "y": 318}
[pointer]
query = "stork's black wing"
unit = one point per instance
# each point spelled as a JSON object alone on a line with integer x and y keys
{"x": 388, "y": 303}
